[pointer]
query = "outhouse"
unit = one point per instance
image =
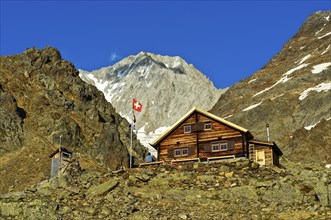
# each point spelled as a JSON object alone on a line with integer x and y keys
{"x": 61, "y": 157}
{"x": 264, "y": 152}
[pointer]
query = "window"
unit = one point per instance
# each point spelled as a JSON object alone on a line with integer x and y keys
{"x": 207, "y": 126}
{"x": 65, "y": 155}
{"x": 223, "y": 146}
{"x": 178, "y": 152}
{"x": 187, "y": 128}
{"x": 215, "y": 147}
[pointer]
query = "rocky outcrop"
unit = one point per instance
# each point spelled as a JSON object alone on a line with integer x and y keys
{"x": 166, "y": 86}
{"x": 226, "y": 190}
{"x": 44, "y": 103}
{"x": 291, "y": 93}
{"x": 11, "y": 129}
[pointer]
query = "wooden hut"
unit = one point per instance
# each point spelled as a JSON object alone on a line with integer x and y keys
{"x": 200, "y": 135}
{"x": 60, "y": 159}
{"x": 264, "y": 152}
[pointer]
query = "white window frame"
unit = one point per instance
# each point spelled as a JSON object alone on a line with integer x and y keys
{"x": 183, "y": 151}
{"x": 189, "y": 127}
{"x": 226, "y": 146}
{"x": 177, "y": 150}
{"x": 212, "y": 147}
{"x": 205, "y": 125}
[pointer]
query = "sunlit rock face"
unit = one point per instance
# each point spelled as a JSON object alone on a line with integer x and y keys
{"x": 167, "y": 87}
{"x": 291, "y": 93}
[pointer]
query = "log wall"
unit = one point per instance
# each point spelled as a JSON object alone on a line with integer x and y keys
{"x": 219, "y": 133}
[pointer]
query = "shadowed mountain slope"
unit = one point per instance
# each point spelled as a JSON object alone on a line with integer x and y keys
{"x": 44, "y": 103}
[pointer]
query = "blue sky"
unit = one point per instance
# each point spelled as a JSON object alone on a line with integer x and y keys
{"x": 225, "y": 40}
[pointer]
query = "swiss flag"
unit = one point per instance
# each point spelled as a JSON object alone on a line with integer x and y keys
{"x": 137, "y": 106}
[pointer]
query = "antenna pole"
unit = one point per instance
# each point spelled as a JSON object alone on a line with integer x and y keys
{"x": 268, "y": 134}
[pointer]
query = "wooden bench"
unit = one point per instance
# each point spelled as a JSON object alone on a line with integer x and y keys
{"x": 221, "y": 157}
{"x": 151, "y": 163}
{"x": 185, "y": 160}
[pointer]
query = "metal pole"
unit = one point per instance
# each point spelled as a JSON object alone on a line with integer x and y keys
{"x": 131, "y": 142}
{"x": 268, "y": 134}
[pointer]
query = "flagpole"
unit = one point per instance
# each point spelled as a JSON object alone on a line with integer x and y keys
{"x": 131, "y": 141}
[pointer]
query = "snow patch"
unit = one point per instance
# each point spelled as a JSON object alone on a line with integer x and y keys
{"x": 308, "y": 128}
{"x": 302, "y": 47}
{"x": 146, "y": 138}
{"x": 320, "y": 67}
{"x": 277, "y": 96}
{"x": 228, "y": 116}
{"x": 304, "y": 59}
{"x": 252, "y": 106}
{"x": 327, "y": 18}
{"x": 252, "y": 80}
{"x": 328, "y": 166}
{"x": 283, "y": 79}
{"x": 296, "y": 68}
{"x": 326, "y": 50}
{"x": 110, "y": 91}
{"x": 327, "y": 34}
{"x": 317, "y": 32}
{"x": 313, "y": 125}
{"x": 323, "y": 87}
{"x": 176, "y": 63}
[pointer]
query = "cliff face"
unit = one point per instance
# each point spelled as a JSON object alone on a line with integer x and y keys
{"x": 292, "y": 93}
{"x": 44, "y": 103}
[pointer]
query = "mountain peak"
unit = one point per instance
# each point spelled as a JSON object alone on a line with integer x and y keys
{"x": 159, "y": 83}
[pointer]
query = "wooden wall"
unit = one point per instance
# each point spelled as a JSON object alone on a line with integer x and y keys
{"x": 268, "y": 153}
{"x": 275, "y": 158}
{"x": 219, "y": 133}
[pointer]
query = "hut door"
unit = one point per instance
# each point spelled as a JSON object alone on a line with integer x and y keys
{"x": 55, "y": 166}
{"x": 260, "y": 157}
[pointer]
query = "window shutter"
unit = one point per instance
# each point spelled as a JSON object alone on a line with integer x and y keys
{"x": 171, "y": 152}
{"x": 191, "y": 150}
{"x": 231, "y": 145}
{"x": 197, "y": 127}
{"x": 207, "y": 148}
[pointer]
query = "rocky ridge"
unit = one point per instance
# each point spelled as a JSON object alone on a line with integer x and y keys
{"x": 234, "y": 189}
{"x": 44, "y": 103}
{"x": 291, "y": 93}
{"x": 166, "y": 86}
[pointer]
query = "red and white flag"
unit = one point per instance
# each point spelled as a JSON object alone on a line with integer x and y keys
{"x": 137, "y": 106}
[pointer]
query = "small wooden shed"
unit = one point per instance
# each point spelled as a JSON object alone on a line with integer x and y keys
{"x": 264, "y": 152}
{"x": 61, "y": 157}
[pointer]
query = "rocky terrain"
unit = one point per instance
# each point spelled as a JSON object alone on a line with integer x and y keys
{"x": 291, "y": 93}
{"x": 166, "y": 86}
{"x": 44, "y": 103}
{"x": 234, "y": 189}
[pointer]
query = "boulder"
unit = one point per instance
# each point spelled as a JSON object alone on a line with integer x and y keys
{"x": 102, "y": 189}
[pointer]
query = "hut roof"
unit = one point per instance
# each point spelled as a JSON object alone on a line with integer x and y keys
{"x": 268, "y": 143}
{"x": 62, "y": 149}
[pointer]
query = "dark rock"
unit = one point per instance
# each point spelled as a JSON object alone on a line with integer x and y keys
{"x": 102, "y": 189}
